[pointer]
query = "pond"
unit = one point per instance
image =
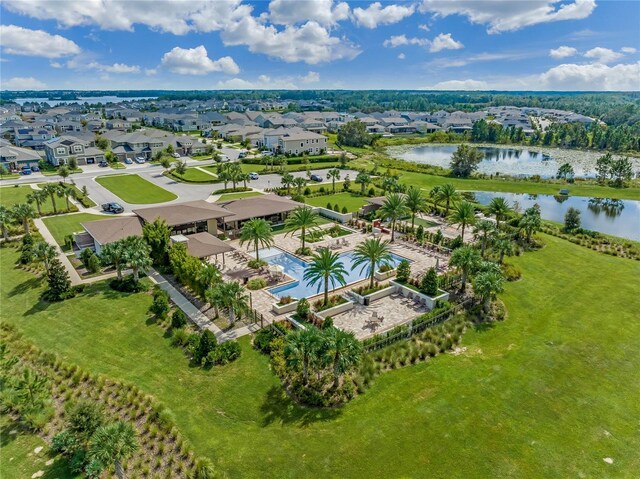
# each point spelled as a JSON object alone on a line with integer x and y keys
{"x": 614, "y": 217}
{"x": 507, "y": 160}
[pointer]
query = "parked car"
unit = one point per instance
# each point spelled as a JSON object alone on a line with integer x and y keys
{"x": 103, "y": 163}
{"x": 315, "y": 177}
{"x": 176, "y": 155}
{"x": 26, "y": 170}
{"x": 224, "y": 158}
{"x": 139, "y": 160}
{"x": 128, "y": 161}
{"x": 35, "y": 168}
{"x": 267, "y": 153}
{"x": 242, "y": 154}
{"x": 112, "y": 208}
{"x": 253, "y": 176}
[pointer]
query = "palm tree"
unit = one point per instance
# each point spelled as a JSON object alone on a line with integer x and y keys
{"x": 503, "y": 246}
{"x": 448, "y": 194}
{"x": 235, "y": 300}
{"x": 114, "y": 253}
{"x": 137, "y": 255}
{"x": 299, "y": 182}
{"x": 44, "y": 253}
{"x": 464, "y": 214}
{"x": 343, "y": 350}
{"x": 482, "y": 229}
{"x": 257, "y": 231}
{"x": 434, "y": 194}
{"x": 393, "y": 208}
{"x": 466, "y": 259}
{"x": 64, "y": 172}
{"x": 287, "y": 181}
{"x": 372, "y": 253}
{"x": 52, "y": 190}
{"x": 333, "y": 175}
{"x": 113, "y": 443}
{"x": 22, "y": 213}
{"x": 215, "y": 296}
{"x": 5, "y": 220}
{"x": 37, "y": 197}
{"x": 530, "y": 222}
{"x": 487, "y": 285}
{"x": 363, "y": 180}
{"x": 327, "y": 267}
{"x": 208, "y": 276}
{"x": 415, "y": 201}
{"x": 67, "y": 191}
{"x": 224, "y": 177}
{"x": 499, "y": 207}
{"x": 302, "y": 348}
{"x": 302, "y": 219}
{"x": 31, "y": 388}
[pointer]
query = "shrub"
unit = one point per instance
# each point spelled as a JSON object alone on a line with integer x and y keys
{"x": 404, "y": 271}
{"x": 262, "y": 340}
{"x": 385, "y": 267}
{"x": 511, "y": 272}
{"x": 160, "y": 304}
{"x": 256, "y": 263}
{"x": 307, "y": 191}
{"x": 321, "y": 189}
{"x": 204, "y": 469}
{"x": 93, "y": 265}
{"x": 372, "y": 191}
{"x": 127, "y": 285}
{"x": 285, "y": 300}
{"x": 85, "y": 256}
{"x": 180, "y": 338}
{"x": 224, "y": 353}
{"x": 303, "y": 309}
{"x": 429, "y": 283}
{"x": 206, "y": 343}
{"x": 329, "y": 207}
{"x": 178, "y": 319}
{"x": 336, "y": 207}
{"x": 256, "y": 283}
{"x": 344, "y": 210}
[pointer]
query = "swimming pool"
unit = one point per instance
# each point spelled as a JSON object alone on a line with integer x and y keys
{"x": 295, "y": 268}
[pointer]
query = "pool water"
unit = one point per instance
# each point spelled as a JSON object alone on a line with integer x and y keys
{"x": 295, "y": 268}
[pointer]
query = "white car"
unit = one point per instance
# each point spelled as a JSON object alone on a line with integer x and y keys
{"x": 267, "y": 153}
{"x": 224, "y": 158}
{"x": 176, "y": 155}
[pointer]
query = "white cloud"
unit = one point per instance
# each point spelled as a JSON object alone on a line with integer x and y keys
{"x": 291, "y": 12}
{"x": 23, "y": 83}
{"x": 460, "y": 85}
{"x": 444, "y": 41}
{"x": 56, "y": 65}
{"x": 628, "y": 50}
{"x": 114, "y": 68}
{"x": 603, "y": 55}
{"x": 310, "y": 77}
{"x": 593, "y": 77}
{"x": 310, "y": 43}
{"x": 195, "y": 61}
{"x": 375, "y": 14}
{"x": 401, "y": 56}
{"x": 424, "y": 27}
{"x": 562, "y": 52}
{"x": 263, "y": 82}
{"x": 178, "y": 18}
{"x": 37, "y": 43}
{"x": 503, "y": 16}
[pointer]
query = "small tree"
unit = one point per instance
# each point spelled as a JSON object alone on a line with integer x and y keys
{"x": 429, "y": 283}
{"x": 465, "y": 161}
{"x": 93, "y": 265}
{"x": 178, "y": 319}
{"x": 206, "y": 344}
{"x": 565, "y": 172}
{"x": 160, "y": 304}
{"x": 58, "y": 280}
{"x": 572, "y": 220}
{"x": 72, "y": 162}
{"x": 404, "y": 271}
{"x": 303, "y": 309}
{"x": 64, "y": 172}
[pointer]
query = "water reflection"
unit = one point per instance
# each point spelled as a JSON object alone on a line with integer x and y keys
{"x": 609, "y": 206}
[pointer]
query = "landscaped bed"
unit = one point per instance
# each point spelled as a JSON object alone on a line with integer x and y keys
{"x": 64, "y": 225}
{"x": 135, "y": 190}
{"x": 351, "y": 201}
{"x": 12, "y": 195}
{"x": 194, "y": 175}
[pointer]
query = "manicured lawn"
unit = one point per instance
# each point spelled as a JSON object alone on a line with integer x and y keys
{"x": 89, "y": 201}
{"x": 423, "y": 222}
{"x": 548, "y": 393}
{"x": 351, "y": 201}
{"x": 235, "y": 196}
{"x": 12, "y": 195}
{"x": 509, "y": 186}
{"x": 195, "y": 175}
{"x": 135, "y": 190}
{"x": 64, "y": 225}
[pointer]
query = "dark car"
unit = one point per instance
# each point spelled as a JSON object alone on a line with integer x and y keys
{"x": 112, "y": 208}
{"x": 103, "y": 163}
{"x": 26, "y": 171}
{"x": 317, "y": 178}
{"x": 35, "y": 168}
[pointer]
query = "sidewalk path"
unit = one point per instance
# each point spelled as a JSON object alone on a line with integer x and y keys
{"x": 48, "y": 237}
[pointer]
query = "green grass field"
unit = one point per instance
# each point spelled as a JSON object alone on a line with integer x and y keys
{"x": 549, "y": 392}
{"x": 236, "y": 196}
{"x": 351, "y": 201}
{"x": 11, "y": 195}
{"x": 90, "y": 202}
{"x": 64, "y": 225}
{"x": 195, "y": 175}
{"x": 134, "y": 189}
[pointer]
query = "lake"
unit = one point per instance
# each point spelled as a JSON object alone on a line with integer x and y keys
{"x": 88, "y": 99}
{"x": 614, "y": 217}
{"x": 508, "y": 160}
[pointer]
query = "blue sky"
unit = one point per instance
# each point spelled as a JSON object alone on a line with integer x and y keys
{"x": 233, "y": 44}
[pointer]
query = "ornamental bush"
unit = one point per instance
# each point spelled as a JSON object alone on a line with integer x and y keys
{"x": 178, "y": 319}
{"x": 429, "y": 283}
{"x": 404, "y": 271}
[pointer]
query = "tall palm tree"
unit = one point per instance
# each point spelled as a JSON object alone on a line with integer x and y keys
{"x": 236, "y": 302}
{"x": 44, "y": 253}
{"x": 487, "y": 285}
{"x": 530, "y": 222}
{"x": 208, "y": 276}
{"x": 325, "y": 267}
{"x": 449, "y": 196}
{"x": 466, "y": 259}
{"x": 113, "y": 443}
{"x": 67, "y": 191}
{"x": 393, "y": 209}
{"x": 363, "y": 180}
{"x": 343, "y": 351}
{"x": 302, "y": 219}
{"x": 372, "y": 253}
{"x": 5, "y": 220}
{"x": 333, "y": 175}
{"x": 287, "y": 181}
{"x": 52, "y": 190}
{"x": 482, "y": 229}
{"x": 258, "y": 232}
{"x": 302, "y": 349}
{"x": 503, "y": 246}
{"x": 499, "y": 207}
{"x": 299, "y": 182}
{"x": 114, "y": 253}
{"x": 415, "y": 201}
{"x": 463, "y": 214}
{"x": 434, "y": 194}
{"x": 215, "y": 296}
{"x": 37, "y": 197}
{"x": 22, "y": 213}
{"x": 137, "y": 255}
